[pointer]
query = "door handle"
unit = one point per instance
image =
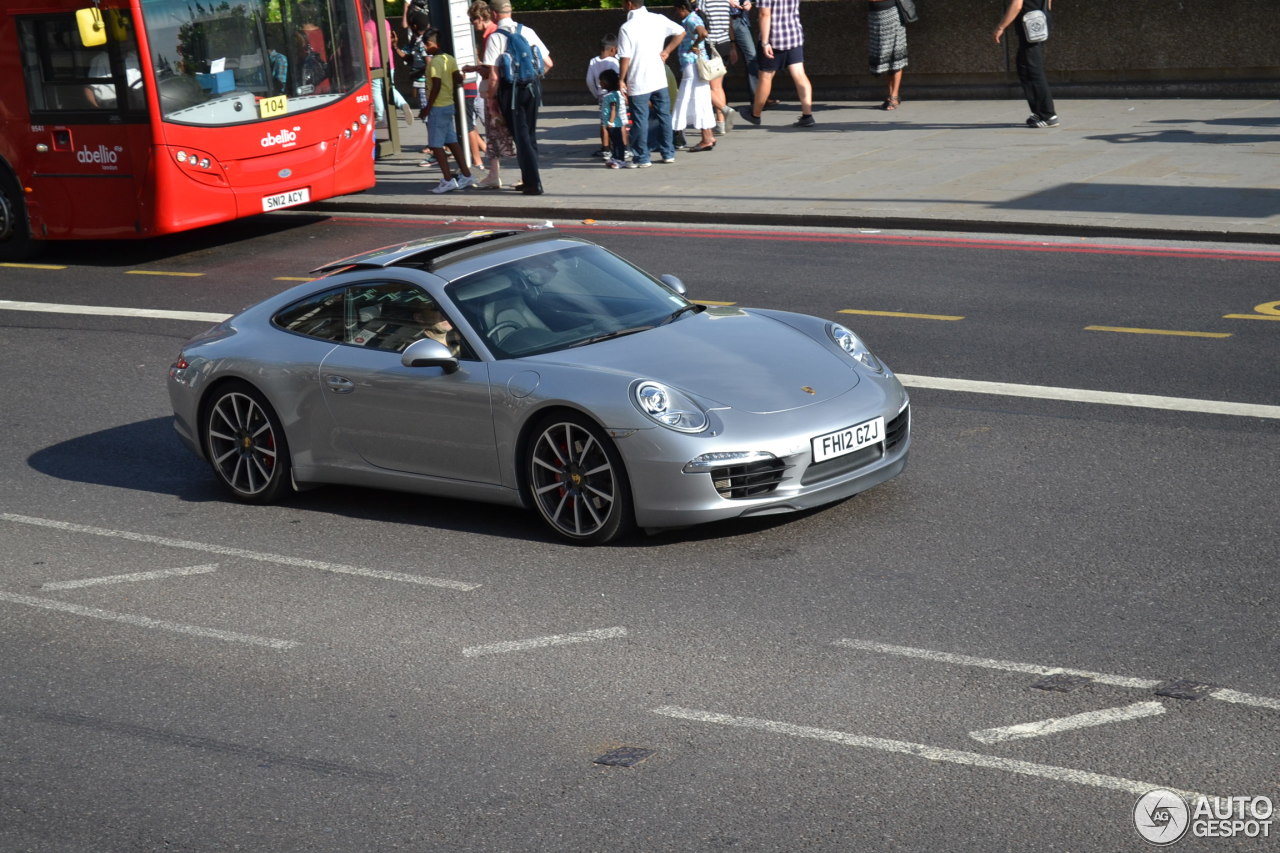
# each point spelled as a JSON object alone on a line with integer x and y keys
{"x": 339, "y": 384}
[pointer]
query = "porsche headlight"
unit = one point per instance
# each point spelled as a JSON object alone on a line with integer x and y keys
{"x": 669, "y": 407}
{"x": 853, "y": 345}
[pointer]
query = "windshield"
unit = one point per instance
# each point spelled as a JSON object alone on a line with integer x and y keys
{"x": 215, "y": 61}
{"x": 566, "y": 298}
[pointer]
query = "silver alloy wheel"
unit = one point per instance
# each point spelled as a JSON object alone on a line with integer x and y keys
{"x": 243, "y": 445}
{"x": 574, "y": 483}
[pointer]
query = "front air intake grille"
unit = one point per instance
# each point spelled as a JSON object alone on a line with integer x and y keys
{"x": 819, "y": 471}
{"x": 750, "y": 480}
{"x": 896, "y": 431}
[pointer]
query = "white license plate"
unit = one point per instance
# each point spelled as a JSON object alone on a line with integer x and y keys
{"x": 289, "y": 199}
{"x": 847, "y": 440}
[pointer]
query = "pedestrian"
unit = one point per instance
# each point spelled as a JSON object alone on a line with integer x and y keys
{"x": 439, "y": 112}
{"x": 613, "y": 117}
{"x": 742, "y": 42}
{"x": 414, "y": 54}
{"x": 693, "y": 100}
{"x": 887, "y": 39}
{"x": 715, "y": 16}
{"x": 520, "y": 59}
{"x": 607, "y": 60}
{"x": 781, "y": 46}
{"x": 645, "y": 42}
{"x": 497, "y": 136}
{"x": 373, "y": 49}
{"x": 1030, "y": 59}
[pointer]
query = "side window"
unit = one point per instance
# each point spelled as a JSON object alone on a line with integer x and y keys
{"x": 62, "y": 75}
{"x": 391, "y": 316}
{"x": 322, "y": 316}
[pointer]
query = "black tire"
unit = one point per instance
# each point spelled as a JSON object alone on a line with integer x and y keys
{"x": 246, "y": 444}
{"x": 576, "y": 480}
{"x": 15, "y": 231}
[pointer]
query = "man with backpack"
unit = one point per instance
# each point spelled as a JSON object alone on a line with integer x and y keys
{"x": 519, "y": 59}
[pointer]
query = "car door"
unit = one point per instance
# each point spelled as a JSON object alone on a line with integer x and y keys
{"x": 419, "y": 420}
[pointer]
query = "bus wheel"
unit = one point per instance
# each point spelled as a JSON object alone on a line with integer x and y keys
{"x": 15, "y": 234}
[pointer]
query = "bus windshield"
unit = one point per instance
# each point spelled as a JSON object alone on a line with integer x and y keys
{"x": 213, "y": 60}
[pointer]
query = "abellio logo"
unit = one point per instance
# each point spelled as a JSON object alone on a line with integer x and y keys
{"x": 102, "y": 155}
{"x": 284, "y": 138}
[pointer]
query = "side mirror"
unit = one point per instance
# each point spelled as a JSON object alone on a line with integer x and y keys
{"x": 429, "y": 353}
{"x": 674, "y": 283}
{"x": 93, "y": 32}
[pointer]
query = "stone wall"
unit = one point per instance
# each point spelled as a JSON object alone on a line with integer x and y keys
{"x": 1099, "y": 48}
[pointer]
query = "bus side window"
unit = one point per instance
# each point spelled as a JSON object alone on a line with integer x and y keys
{"x": 64, "y": 76}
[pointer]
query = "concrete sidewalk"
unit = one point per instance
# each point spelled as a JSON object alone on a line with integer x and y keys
{"x": 1173, "y": 169}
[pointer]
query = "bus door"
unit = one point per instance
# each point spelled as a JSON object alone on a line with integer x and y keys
{"x": 90, "y": 141}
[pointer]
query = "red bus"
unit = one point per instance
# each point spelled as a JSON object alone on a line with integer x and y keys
{"x": 135, "y": 118}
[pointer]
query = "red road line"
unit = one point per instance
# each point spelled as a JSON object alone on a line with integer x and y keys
{"x": 862, "y": 239}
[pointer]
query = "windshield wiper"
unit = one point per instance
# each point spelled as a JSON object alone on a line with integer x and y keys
{"x": 615, "y": 334}
{"x": 692, "y": 306}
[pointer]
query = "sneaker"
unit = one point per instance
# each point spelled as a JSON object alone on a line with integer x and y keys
{"x": 464, "y": 181}
{"x": 646, "y": 164}
{"x": 804, "y": 121}
{"x": 668, "y": 160}
{"x": 749, "y": 118}
{"x": 630, "y": 164}
{"x": 613, "y": 164}
{"x": 445, "y": 186}
{"x": 628, "y": 156}
{"x": 679, "y": 141}
{"x": 728, "y": 120}
{"x": 1036, "y": 121}
{"x": 490, "y": 182}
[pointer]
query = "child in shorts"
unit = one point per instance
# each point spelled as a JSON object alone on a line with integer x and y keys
{"x": 613, "y": 117}
{"x": 438, "y": 110}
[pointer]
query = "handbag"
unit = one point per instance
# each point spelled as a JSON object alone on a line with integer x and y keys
{"x": 1036, "y": 26}
{"x": 710, "y": 65}
{"x": 907, "y": 12}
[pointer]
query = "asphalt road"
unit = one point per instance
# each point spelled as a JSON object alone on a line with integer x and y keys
{"x": 359, "y": 670}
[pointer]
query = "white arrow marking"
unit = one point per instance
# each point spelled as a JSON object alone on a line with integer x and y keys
{"x": 132, "y": 577}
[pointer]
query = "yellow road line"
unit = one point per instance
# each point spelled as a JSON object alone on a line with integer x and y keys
{"x": 1250, "y": 317}
{"x": 162, "y": 272}
{"x": 34, "y": 266}
{"x": 1157, "y": 332}
{"x": 900, "y": 314}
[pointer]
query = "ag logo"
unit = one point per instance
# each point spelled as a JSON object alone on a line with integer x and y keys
{"x": 1161, "y": 816}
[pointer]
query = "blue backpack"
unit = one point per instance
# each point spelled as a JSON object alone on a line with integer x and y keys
{"x": 521, "y": 62}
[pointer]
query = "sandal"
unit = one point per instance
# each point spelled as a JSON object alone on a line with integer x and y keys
{"x": 701, "y": 147}
{"x": 890, "y": 103}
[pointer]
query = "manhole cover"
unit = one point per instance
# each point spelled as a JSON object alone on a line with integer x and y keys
{"x": 624, "y": 756}
{"x": 1186, "y": 689}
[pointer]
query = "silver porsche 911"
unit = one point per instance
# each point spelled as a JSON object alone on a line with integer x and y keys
{"x": 530, "y": 368}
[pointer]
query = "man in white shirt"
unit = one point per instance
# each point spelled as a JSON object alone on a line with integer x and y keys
{"x": 644, "y": 43}
{"x": 519, "y": 102}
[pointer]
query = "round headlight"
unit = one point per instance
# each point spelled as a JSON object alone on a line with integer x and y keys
{"x": 669, "y": 407}
{"x": 853, "y": 345}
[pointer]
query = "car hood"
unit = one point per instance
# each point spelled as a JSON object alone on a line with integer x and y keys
{"x": 730, "y": 357}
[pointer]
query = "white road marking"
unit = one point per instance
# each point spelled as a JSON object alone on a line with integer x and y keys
{"x": 931, "y": 753}
{"x": 1222, "y": 693}
{"x": 278, "y": 559}
{"x": 107, "y": 311}
{"x": 1238, "y": 698}
{"x": 542, "y": 642}
{"x": 147, "y": 622}
{"x": 132, "y": 577}
{"x": 1007, "y": 666}
{"x": 1086, "y": 720}
{"x": 1001, "y": 389}
{"x": 1080, "y": 395}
